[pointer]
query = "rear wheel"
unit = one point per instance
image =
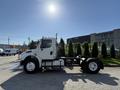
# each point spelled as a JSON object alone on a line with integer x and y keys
{"x": 31, "y": 66}
{"x": 92, "y": 66}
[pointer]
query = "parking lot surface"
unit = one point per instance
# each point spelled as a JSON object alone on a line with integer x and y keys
{"x": 13, "y": 78}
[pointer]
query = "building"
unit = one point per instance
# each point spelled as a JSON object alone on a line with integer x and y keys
{"x": 80, "y": 39}
{"x": 106, "y": 37}
{"x": 109, "y": 38}
{"x": 5, "y": 46}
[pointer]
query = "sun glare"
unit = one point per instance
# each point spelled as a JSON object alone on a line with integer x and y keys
{"x": 52, "y": 8}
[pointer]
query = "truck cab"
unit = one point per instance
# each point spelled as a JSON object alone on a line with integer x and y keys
{"x": 44, "y": 55}
{"x": 47, "y": 48}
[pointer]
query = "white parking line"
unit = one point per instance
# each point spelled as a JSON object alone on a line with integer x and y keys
{"x": 11, "y": 66}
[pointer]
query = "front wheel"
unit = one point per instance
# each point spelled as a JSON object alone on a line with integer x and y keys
{"x": 31, "y": 66}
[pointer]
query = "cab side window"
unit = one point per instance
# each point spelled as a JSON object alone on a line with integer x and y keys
{"x": 46, "y": 43}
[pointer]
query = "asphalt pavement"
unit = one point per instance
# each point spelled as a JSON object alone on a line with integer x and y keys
{"x": 13, "y": 78}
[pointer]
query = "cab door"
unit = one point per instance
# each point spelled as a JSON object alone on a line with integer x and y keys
{"x": 46, "y": 49}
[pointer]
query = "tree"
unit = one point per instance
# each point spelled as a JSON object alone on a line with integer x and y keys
{"x": 74, "y": 49}
{"x": 32, "y": 45}
{"x": 86, "y": 50}
{"x": 78, "y": 51}
{"x": 95, "y": 50}
{"x": 70, "y": 49}
{"x": 104, "y": 50}
{"x": 112, "y": 51}
{"x": 61, "y": 51}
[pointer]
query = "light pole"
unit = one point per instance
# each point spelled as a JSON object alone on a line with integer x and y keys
{"x": 28, "y": 40}
{"x": 8, "y": 40}
{"x": 56, "y": 36}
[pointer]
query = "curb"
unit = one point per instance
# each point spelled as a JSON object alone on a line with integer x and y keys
{"x": 111, "y": 65}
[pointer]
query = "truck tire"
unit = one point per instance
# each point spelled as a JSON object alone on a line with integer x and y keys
{"x": 93, "y": 66}
{"x": 31, "y": 66}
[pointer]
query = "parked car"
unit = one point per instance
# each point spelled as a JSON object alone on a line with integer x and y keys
{"x": 11, "y": 51}
{"x": 1, "y": 52}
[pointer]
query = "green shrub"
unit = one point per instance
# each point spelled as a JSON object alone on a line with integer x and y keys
{"x": 78, "y": 51}
{"x": 32, "y": 45}
{"x": 70, "y": 49}
{"x": 95, "y": 50}
{"x": 104, "y": 50}
{"x": 61, "y": 48}
{"x": 112, "y": 51}
{"x": 86, "y": 50}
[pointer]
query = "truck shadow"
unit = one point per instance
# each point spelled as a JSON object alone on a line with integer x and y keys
{"x": 54, "y": 80}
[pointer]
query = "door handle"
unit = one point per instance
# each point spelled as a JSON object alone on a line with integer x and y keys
{"x": 51, "y": 52}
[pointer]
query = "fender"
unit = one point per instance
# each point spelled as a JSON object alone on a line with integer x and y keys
{"x": 31, "y": 57}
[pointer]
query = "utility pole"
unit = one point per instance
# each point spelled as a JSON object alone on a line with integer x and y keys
{"x": 8, "y": 41}
{"x": 28, "y": 40}
{"x": 56, "y": 36}
{"x": 56, "y": 39}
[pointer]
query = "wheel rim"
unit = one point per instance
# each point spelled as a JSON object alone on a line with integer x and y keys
{"x": 93, "y": 66}
{"x": 30, "y": 66}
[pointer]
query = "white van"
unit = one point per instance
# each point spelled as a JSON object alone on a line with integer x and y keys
{"x": 1, "y": 52}
{"x": 11, "y": 51}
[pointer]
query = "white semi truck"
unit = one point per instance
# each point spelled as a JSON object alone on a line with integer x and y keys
{"x": 45, "y": 56}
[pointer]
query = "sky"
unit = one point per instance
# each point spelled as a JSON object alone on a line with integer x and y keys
{"x": 20, "y": 19}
